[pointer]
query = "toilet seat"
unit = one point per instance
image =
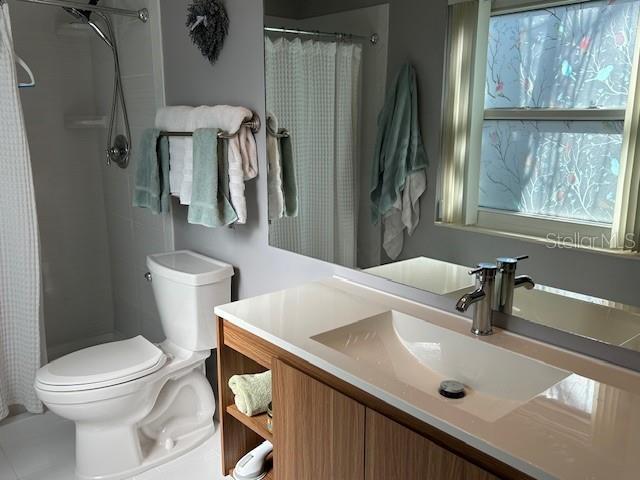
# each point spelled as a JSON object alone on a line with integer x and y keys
{"x": 101, "y": 366}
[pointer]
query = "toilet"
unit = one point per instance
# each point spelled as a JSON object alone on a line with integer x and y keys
{"x": 137, "y": 405}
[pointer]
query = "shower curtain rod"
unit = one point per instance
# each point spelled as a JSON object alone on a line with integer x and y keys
{"x": 142, "y": 15}
{"x": 373, "y": 38}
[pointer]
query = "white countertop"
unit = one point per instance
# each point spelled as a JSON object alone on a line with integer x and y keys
{"x": 586, "y": 427}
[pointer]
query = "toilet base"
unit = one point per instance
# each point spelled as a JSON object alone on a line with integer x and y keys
{"x": 158, "y": 455}
{"x": 153, "y": 433}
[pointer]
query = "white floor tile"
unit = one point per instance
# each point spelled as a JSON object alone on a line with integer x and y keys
{"x": 60, "y": 472}
{"x": 19, "y": 430}
{"x": 53, "y": 447}
{"x": 6, "y": 471}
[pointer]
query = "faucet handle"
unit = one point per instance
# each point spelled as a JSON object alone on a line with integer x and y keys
{"x": 509, "y": 263}
{"x": 508, "y": 260}
{"x": 484, "y": 270}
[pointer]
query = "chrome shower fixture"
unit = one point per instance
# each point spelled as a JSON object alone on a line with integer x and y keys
{"x": 118, "y": 148}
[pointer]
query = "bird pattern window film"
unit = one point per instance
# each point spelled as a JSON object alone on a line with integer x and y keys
{"x": 571, "y": 57}
{"x": 557, "y": 169}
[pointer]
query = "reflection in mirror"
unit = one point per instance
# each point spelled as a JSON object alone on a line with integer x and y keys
{"x": 377, "y": 164}
{"x": 325, "y": 90}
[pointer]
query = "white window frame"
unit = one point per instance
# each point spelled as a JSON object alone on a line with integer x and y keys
{"x": 544, "y": 227}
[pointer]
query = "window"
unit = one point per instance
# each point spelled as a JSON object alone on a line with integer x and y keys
{"x": 549, "y": 96}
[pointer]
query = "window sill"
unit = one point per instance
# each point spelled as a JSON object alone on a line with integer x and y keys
{"x": 551, "y": 244}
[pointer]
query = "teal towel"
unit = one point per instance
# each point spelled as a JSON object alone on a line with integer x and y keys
{"x": 289, "y": 185}
{"x": 151, "y": 189}
{"x": 210, "y": 204}
{"x": 399, "y": 150}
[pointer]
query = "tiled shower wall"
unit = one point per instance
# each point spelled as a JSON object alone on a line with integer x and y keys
{"x": 94, "y": 243}
{"x": 133, "y": 233}
{"x": 67, "y": 177}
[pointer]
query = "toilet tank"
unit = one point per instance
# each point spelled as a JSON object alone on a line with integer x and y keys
{"x": 187, "y": 286}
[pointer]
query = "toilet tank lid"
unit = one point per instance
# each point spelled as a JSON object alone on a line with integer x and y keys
{"x": 189, "y": 268}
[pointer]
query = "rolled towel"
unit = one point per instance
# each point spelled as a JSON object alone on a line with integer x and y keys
{"x": 252, "y": 392}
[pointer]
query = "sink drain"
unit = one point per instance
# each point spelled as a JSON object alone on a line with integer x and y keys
{"x": 452, "y": 389}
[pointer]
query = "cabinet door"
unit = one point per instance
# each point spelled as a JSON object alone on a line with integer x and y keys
{"x": 318, "y": 432}
{"x": 393, "y": 451}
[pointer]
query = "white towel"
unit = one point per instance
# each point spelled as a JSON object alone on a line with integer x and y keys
{"x": 274, "y": 174}
{"x": 405, "y": 213}
{"x": 179, "y": 119}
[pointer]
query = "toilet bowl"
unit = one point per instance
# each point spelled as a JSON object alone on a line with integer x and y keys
{"x": 137, "y": 405}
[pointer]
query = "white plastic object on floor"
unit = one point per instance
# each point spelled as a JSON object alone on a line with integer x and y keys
{"x": 252, "y": 465}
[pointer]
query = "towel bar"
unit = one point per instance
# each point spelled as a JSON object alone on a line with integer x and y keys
{"x": 253, "y": 124}
{"x": 281, "y": 133}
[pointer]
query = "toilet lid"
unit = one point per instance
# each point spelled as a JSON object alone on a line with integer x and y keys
{"x": 103, "y": 365}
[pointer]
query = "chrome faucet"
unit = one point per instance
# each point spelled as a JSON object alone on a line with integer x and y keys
{"x": 483, "y": 297}
{"x": 507, "y": 282}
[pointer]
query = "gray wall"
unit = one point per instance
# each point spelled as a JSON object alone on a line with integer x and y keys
{"x": 236, "y": 79}
{"x": 417, "y": 30}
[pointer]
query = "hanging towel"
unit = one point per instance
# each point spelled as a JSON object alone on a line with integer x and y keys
{"x": 151, "y": 188}
{"x": 252, "y": 392}
{"x": 242, "y": 152}
{"x": 399, "y": 176}
{"x": 179, "y": 119}
{"x": 274, "y": 171}
{"x": 289, "y": 183}
{"x": 230, "y": 120}
{"x": 210, "y": 204}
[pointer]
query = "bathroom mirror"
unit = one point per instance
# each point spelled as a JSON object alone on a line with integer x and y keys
{"x": 523, "y": 110}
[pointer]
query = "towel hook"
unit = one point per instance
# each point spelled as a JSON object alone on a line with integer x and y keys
{"x": 25, "y": 67}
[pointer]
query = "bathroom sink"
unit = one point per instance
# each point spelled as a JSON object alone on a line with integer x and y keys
{"x": 421, "y": 355}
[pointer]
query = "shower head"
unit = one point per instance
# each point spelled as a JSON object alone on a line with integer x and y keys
{"x": 81, "y": 13}
{"x": 85, "y": 16}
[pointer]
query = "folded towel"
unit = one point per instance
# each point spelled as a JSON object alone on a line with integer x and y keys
{"x": 274, "y": 171}
{"x": 179, "y": 119}
{"x": 289, "y": 184}
{"x": 151, "y": 187}
{"x": 210, "y": 198}
{"x": 186, "y": 185}
{"x": 247, "y": 147}
{"x": 252, "y": 392}
{"x": 237, "y": 178}
{"x": 176, "y": 154}
{"x": 399, "y": 169}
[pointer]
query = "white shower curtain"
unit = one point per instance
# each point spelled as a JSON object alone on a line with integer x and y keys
{"x": 19, "y": 249}
{"x": 312, "y": 88}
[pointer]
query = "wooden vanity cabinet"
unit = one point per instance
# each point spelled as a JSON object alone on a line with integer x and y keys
{"x": 318, "y": 432}
{"x": 321, "y": 433}
{"x": 393, "y": 451}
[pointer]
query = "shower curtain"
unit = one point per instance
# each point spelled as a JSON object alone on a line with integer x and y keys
{"x": 312, "y": 88}
{"x": 19, "y": 248}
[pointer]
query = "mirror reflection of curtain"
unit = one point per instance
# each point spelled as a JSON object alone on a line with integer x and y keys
{"x": 313, "y": 90}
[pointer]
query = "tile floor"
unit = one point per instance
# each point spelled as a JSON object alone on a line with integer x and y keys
{"x": 42, "y": 447}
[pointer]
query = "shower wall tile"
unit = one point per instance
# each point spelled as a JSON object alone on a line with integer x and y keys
{"x": 127, "y": 319}
{"x": 117, "y": 191}
{"x": 140, "y": 99}
{"x": 133, "y": 232}
{"x": 67, "y": 178}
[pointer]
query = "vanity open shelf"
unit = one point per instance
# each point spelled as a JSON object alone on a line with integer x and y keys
{"x": 257, "y": 423}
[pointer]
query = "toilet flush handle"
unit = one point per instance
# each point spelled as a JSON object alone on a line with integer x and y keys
{"x": 148, "y": 277}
